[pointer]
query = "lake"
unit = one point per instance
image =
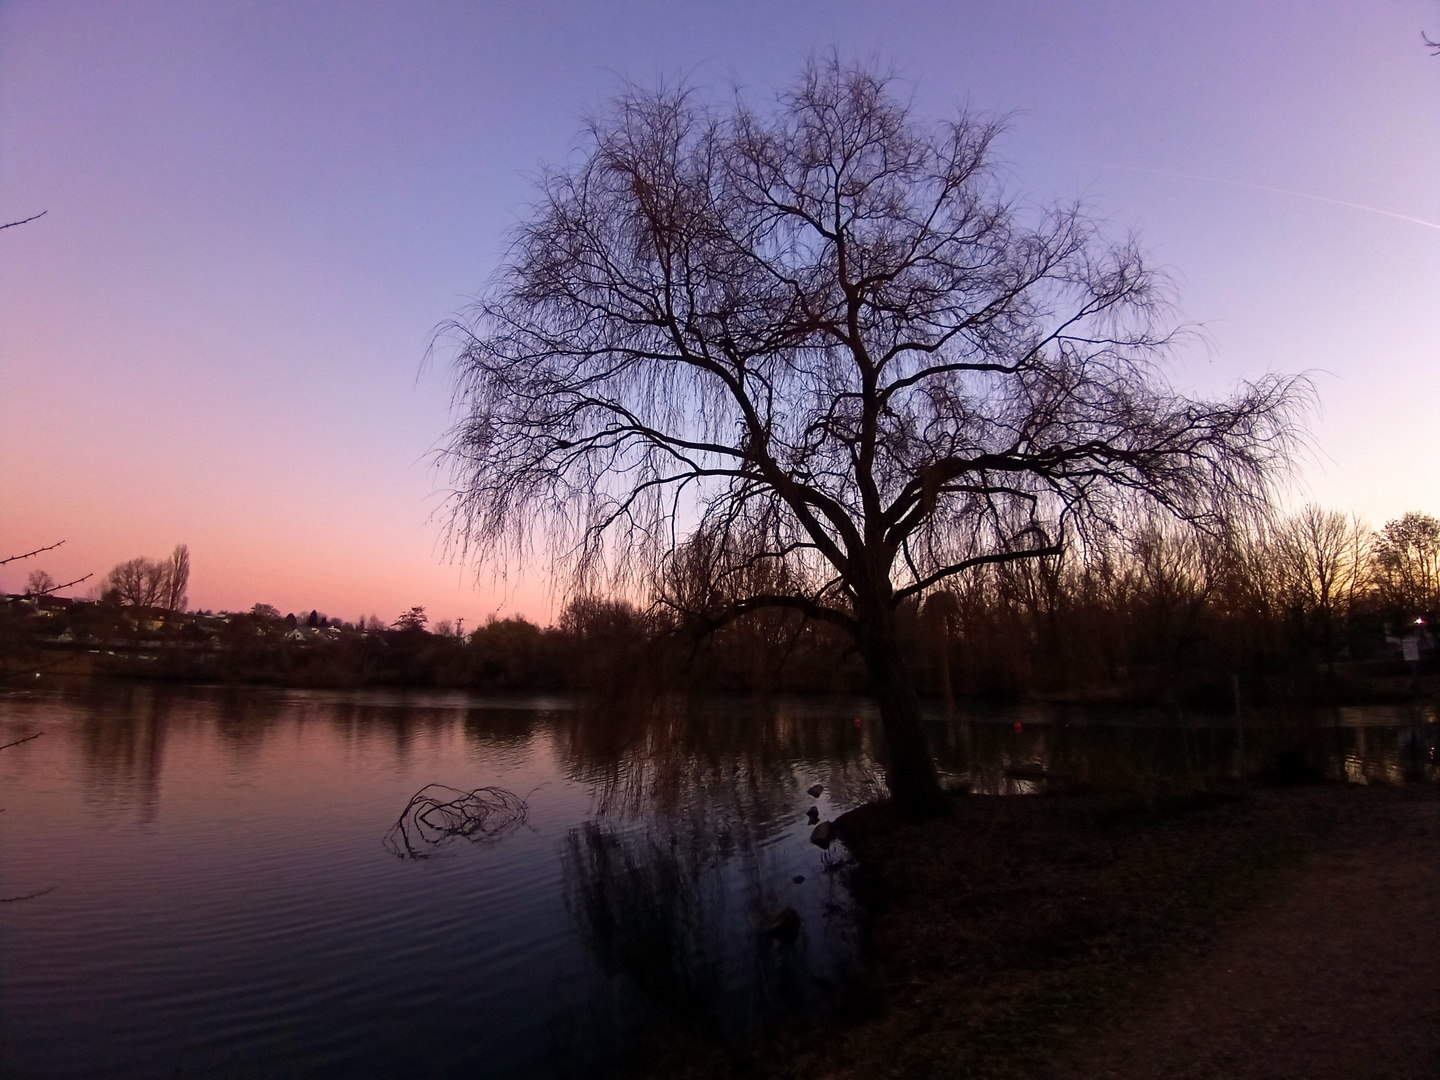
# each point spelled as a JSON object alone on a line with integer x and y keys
{"x": 220, "y": 890}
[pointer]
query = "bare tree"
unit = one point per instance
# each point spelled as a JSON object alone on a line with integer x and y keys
{"x": 39, "y": 583}
{"x": 147, "y": 583}
{"x": 177, "y": 578}
{"x": 1322, "y": 555}
{"x": 810, "y": 354}
{"x": 1406, "y": 565}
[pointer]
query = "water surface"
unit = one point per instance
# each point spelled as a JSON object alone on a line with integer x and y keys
{"x": 220, "y": 901}
{"x": 216, "y": 899}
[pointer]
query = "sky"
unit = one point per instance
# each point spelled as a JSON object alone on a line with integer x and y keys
{"x": 256, "y": 215}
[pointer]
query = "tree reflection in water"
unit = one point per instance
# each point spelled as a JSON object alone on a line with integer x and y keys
{"x": 123, "y": 737}
{"x": 675, "y": 755}
{"x": 1155, "y": 754}
{"x": 697, "y": 832}
{"x": 673, "y": 922}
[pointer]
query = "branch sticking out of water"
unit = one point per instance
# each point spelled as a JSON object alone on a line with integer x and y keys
{"x": 437, "y": 814}
{"x": 27, "y": 896}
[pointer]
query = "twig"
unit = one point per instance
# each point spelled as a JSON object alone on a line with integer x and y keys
{"x": 68, "y": 584}
{"x": 48, "y": 547}
{"x": 49, "y": 590}
{"x": 24, "y": 221}
{"x": 17, "y": 742}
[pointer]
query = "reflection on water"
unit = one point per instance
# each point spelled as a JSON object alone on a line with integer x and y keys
{"x": 224, "y": 904}
{"x": 676, "y": 929}
{"x": 1006, "y": 751}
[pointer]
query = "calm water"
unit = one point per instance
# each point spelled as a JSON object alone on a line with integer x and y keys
{"x": 216, "y": 897}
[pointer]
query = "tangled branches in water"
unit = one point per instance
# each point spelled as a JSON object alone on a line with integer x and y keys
{"x": 437, "y": 814}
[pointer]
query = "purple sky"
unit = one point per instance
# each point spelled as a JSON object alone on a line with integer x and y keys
{"x": 257, "y": 212}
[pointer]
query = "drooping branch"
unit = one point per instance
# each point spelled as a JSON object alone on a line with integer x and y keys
{"x": 709, "y": 622}
{"x": 991, "y": 558}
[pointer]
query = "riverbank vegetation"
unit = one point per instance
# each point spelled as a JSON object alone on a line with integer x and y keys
{"x": 1314, "y": 608}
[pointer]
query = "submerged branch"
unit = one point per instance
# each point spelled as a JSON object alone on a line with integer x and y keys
{"x": 27, "y": 896}
{"x": 437, "y": 814}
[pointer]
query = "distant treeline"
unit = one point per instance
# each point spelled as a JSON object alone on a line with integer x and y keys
{"x": 1314, "y": 608}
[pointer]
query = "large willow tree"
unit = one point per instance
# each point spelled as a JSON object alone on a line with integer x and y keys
{"x": 808, "y": 355}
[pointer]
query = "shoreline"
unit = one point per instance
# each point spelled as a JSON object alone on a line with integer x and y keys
{"x": 1013, "y": 937}
{"x": 76, "y": 666}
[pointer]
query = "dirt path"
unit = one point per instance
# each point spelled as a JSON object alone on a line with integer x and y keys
{"x": 1336, "y": 974}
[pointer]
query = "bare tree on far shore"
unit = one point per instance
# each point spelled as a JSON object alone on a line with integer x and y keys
{"x": 39, "y": 583}
{"x": 1323, "y": 558}
{"x": 148, "y": 583}
{"x": 177, "y": 578}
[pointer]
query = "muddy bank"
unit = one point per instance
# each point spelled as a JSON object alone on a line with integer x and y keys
{"x": 1078, "y": 935}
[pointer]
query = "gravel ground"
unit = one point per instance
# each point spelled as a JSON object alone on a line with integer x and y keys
{"x": 1336, "y": 973}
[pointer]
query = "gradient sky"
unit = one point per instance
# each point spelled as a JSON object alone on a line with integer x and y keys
{"x": 257, "y": 213}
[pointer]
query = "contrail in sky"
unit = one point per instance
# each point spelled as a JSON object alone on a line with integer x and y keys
{"x": 1266, "y": 187}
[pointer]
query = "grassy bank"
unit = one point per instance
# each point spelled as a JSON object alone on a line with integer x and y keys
{"x": 1017, "y": 925}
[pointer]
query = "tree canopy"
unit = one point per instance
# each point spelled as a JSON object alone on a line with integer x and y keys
{"x": 810, "y": 354}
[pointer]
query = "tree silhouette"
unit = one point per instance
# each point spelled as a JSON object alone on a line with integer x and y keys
{"x": 1407, "y": 565}
{"x": 148, "y": 583}
{"x": 811, "y": 356}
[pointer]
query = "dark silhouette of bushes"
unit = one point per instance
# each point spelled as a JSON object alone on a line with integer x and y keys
{"x": 1311, "y": 609}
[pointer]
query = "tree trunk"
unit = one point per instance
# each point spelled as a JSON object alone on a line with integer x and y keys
{"x": 914, "y": 785}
